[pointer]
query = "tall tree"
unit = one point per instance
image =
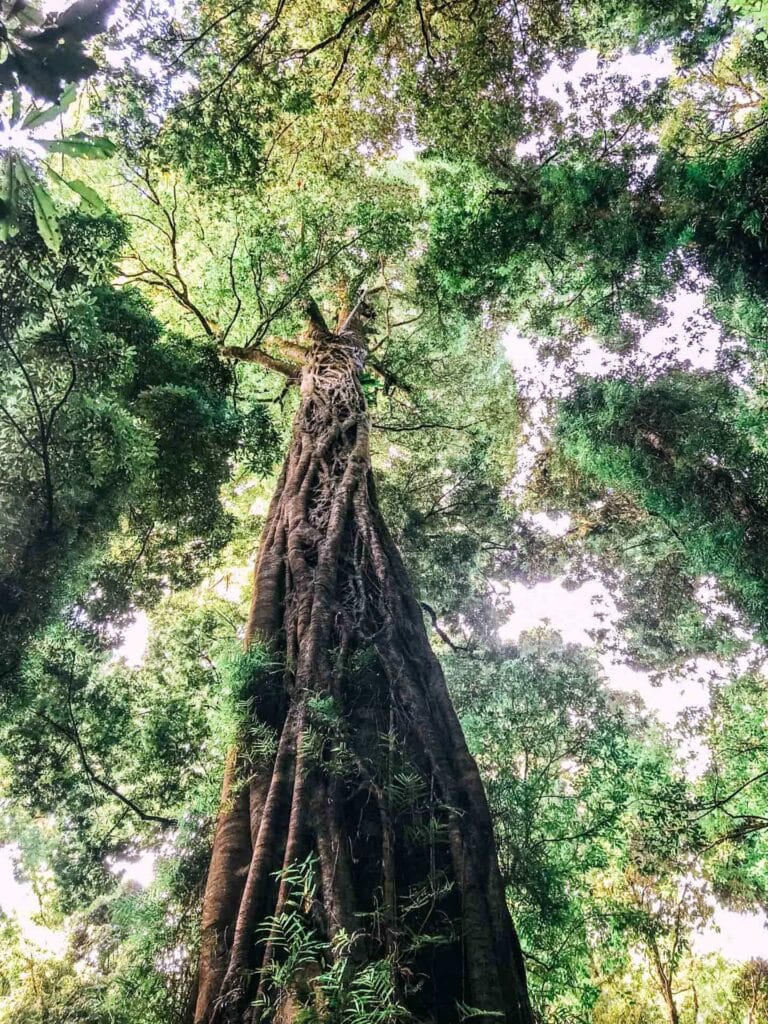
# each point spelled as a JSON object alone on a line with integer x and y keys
{"x": 353, "y": 868}
{"x": 359, "y": 711}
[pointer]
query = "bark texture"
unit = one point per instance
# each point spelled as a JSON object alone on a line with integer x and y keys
{"x": 371, "y": 778}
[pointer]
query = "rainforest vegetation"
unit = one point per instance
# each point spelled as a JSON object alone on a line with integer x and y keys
{"x": 330, "y": 334}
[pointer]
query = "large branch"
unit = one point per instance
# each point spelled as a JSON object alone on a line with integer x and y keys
{"x": 257, "y": 355}
{"x": 292, "y": 350}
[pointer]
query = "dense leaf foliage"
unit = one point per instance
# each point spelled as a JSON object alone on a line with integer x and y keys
{"x": 150, "y": 343}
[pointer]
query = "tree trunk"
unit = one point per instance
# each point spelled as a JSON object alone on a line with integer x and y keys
{"x": 665, "y": 984}
{"x": 362, "y": 846}
{"x": 671, "y": 1005}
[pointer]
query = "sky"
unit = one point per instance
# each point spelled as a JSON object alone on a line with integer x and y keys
{"x": 573, "y": 613}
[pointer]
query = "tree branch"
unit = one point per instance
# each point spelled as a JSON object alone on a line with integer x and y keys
{"x": 457, "y": 648}
{"x": 291, "y": 350}
{"x": 256, "y": 355}
{"x": 74, "y": 737}
{"x": 406, "y": 428}
{"x": 714, "y": 805}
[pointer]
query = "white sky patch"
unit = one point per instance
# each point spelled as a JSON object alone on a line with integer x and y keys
{"x": 151, "y": 68}
{"x": 407, "y": 150}
{"x": 689, "y": 332}
{"x": 688, "y": 335}
{"x": 118, "y": 57}
{"x": 637, "y": 67}
{"x": 27, "y": 140}
{"x": 738, "y": 936}
{"x": 555, "y": 525}
{"x": 230, "y": 585}
{"x": 537, "y": 381}
{"x": 18, "y": 901}
{"x": 133, "y": 648}
{"x": 54, "y": 6}
{"x": 140, "y": 870}
{"x": 16, "y": 137}
{"x": 710, "y": 596}
{"x": 576, "y": 614}
{"x": 147, "y": 65}
{"x": 573, "y": 613}
{"x": 259, "y": 507}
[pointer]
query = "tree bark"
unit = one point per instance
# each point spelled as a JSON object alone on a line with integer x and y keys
{"x": 371, "y": 786}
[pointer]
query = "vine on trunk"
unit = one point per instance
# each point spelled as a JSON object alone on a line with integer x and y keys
{"x": 371, "y": 787}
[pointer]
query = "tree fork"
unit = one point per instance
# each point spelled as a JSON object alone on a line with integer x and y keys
{"x": 372, "y": 787}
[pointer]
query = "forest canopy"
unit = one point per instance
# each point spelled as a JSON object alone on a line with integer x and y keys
{"x": 337, "y": 339}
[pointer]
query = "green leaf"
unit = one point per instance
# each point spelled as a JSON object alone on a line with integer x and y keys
{"x": 91, "y": 200}
{"x": 9, "y": 181}
{"x": 42, "y": 204}
{"x": 37, "y": 117}
{"x": 93, "y": 147}
{"x": 8, "y": 219}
